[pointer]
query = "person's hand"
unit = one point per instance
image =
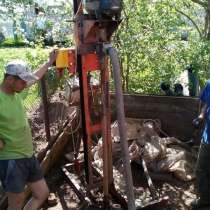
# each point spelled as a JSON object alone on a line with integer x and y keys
{"x": 53, "y": 55}
{"x": 134, "y": 151}
{"x": 1, "y": 144}
{"x": 197, "y": 122}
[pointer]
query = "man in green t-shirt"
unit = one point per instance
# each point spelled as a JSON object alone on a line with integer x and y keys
{"x": 18, "y": 165}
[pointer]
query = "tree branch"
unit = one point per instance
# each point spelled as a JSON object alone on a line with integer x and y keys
{"x": 192, "y": 21}
{"x": 203, "y": 4}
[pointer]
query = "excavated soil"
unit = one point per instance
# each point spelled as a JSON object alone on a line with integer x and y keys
{"x": 58, "y": 115}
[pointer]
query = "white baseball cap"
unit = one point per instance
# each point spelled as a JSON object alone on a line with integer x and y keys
{"x": 20, "y": 68}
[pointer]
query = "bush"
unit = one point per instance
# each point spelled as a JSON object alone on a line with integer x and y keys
{"x": 10, "y": 42}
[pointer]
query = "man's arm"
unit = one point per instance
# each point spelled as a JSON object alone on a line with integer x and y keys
{"x": 201, "y": 116}
{"x": 1, "y": 144}
{"x": 43, "y": 69}
{"x": 203, "y": 111}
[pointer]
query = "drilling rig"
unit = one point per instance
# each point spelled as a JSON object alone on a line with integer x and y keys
{"x": 95, "y": 21}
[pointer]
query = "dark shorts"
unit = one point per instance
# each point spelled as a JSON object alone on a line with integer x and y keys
{"x": 15, "y": 174}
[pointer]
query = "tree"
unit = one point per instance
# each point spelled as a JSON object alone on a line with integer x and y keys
{"x": 205, "y": 4}
{"x": 52, "y": 17}
{"x": 158, "y": 40}
{"x": 8, "y": 9}
{"x": 197, "y": 12}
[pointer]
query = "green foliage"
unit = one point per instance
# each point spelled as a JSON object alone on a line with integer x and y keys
{"x": 151, "y": 44}
{"x": 157, "y": 41}
{"x": 55, "y": 25}
{"x": 35, "y": 59}
{"x": 10, "y": 10}
{"x": 10, "y": 42}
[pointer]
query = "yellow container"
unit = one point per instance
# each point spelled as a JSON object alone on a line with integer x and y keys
{"x": 62, "y": 58}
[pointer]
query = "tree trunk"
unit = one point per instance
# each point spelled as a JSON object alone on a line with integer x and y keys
{"x": 123, "y": 75}
{"x": 127, "y": 73}
{"x": 207, "y": 22}
{"x": 15, "y": 31}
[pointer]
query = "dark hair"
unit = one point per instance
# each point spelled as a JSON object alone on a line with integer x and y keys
{"x": 178, "y": 87}
{"x": 15, "y": 76}
{"x": 164, "y": 86}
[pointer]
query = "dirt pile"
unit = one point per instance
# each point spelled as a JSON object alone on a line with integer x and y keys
{"x": 58, "y": 114}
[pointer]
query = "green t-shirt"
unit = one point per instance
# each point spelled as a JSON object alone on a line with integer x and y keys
{"x": 14, "y": 128}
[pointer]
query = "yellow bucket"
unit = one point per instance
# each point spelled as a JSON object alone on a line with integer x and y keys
{"x": 62, "y": 58}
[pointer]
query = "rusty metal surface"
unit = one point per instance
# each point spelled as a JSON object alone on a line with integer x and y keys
{"x": 75, "y": 186}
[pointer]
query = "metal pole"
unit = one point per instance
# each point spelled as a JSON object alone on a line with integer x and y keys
{"x": 76, "y": 4}
{"x": 84, "y": 131}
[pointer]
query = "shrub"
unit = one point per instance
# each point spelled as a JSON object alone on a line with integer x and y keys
{"x": 10, "y": 42}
